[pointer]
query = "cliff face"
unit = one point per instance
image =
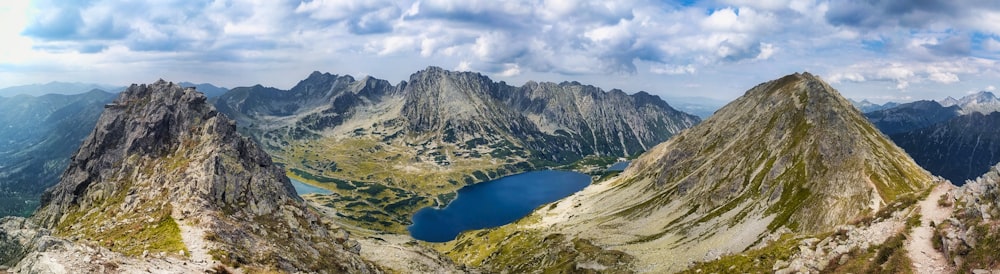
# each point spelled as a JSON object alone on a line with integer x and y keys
{"x": 163, "y": 171}
{"x": 423, "y": 139}
{"x": 790, "y": 155}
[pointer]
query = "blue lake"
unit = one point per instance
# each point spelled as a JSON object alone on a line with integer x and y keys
{"x": 495, "y": 203}
{"x": 303, "y": 188}
{"x": 619, "y": 166}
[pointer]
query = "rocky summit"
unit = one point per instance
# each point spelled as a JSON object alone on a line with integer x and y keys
{"x": 166, "y": 177}
{"x": 388, "y": 150}
{"x": 789, "y": 157}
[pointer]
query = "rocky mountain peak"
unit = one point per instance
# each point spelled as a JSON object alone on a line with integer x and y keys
{"x": 160, "y": 161}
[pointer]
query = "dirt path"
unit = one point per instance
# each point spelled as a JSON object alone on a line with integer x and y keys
{"x": 925, "y": 258}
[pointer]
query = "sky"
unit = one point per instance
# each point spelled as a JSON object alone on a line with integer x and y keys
{"x": 891, "y": 50}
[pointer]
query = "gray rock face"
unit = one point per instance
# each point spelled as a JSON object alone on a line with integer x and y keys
{"x": 161, "y": 155}
{"x": 969, "y": 238}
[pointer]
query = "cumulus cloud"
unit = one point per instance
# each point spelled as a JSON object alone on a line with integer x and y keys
{"x": 522, "y": 37}
{"x": 905, "y": 73}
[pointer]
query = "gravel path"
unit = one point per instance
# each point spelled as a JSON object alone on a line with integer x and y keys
{"x": 925, "y": 258}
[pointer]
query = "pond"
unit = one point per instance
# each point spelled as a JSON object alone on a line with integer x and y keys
{"x": 619, "y": 166}
{"x": 495, "y": 203}
{"x": 303, "y": 188}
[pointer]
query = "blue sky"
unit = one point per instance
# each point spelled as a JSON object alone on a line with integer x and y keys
{"x": 897, "y": 50}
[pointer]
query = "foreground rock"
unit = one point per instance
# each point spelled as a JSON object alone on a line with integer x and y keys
{"x": 164, "y": 175}
{"x": 970, "y": 239}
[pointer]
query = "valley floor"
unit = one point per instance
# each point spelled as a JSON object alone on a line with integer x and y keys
{"x": 925, "y": 258}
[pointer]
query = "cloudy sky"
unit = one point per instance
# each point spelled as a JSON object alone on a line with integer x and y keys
{"x": 880, "y": 50}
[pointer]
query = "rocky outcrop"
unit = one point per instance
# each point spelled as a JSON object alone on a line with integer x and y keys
{"x": 971, "y": 238}
{"x": 164, "y": 173}
{"x": 789, "y": 155}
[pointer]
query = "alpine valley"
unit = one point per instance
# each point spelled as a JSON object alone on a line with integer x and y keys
{"x": 388, "y": 150}
{"x": 788, "y": 178}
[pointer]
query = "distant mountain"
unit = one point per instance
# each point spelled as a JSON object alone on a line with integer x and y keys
{"x": 866, "y": 106}
{"x": 210, "y": 91}
{"x": 911, "y": 116}
{"x": 790, "y": 157}
{"x": 165, "y": 182}
{"x": 37, "y": 137}
{"x": 959, "y": 149}
{"x": 700, "y": 106}
{"x": 983, "y": 102}
{"x": 55, "y": 88}
{"x": 415, "y": 143}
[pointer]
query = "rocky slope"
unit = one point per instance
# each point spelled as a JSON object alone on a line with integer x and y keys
{"x": 388, "y": 150}
{"x": 789, "y": 156}
{"x": 971, "y": 237}
{"x": 37, "y": 137}
{"x": 164, "y": 174}
{"x": 911, "y": 116}
{"x": 959, "y": 149}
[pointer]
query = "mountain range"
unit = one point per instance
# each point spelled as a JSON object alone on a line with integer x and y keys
{"x": 954, "y": 139}
{"x": 37, "y": 137}
{"x": 389, "y": 150}
{"x": 982, "y": 102}
{"x": 790, "y": 177}
{"x": 866, "y": 106}
{"x": 960, "y": 149}
{"x": 62, "y": 88}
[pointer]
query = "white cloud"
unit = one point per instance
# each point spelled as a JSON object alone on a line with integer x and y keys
{"x": 592, "y": 39}
{"x": 904, "y": 74}
{"x": 673, "y": 70}
{"x": 992, "y": 45}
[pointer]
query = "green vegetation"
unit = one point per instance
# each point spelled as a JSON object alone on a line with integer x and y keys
{"x": 751, "y": 261}
{"x": 514, "y": 249}
{"x": 148, "y": 228}
{"x": 889, "y": 257}
{"x": 380, "y": 184}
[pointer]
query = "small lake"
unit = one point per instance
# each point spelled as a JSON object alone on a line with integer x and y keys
{"x": 303, "y": 188}
{"x": 619, "y": 166}
{"x": 495, "y": 203}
